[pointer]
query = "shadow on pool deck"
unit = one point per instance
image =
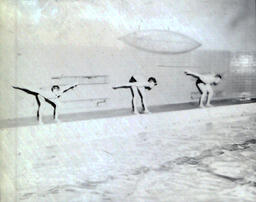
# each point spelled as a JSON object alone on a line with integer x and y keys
{"x": 29, "y": 121}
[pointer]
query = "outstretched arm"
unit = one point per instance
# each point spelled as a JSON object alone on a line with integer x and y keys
{"x": 70, "y": 88}
{"x": 117, "y": 87}
{"x": 123, "y": 86}
{"x": 132, "y": 84}
{"x": 189, "y": 73}
{"x": 26, "y": 90}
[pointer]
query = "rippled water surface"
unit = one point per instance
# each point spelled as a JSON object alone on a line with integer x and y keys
{"x": 208, "y": 162}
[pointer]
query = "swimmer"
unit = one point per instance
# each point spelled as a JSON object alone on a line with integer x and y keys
{"x": 139, "y": 84}
{"x": 204, "y": 84}
{"x": 54, "y": 102}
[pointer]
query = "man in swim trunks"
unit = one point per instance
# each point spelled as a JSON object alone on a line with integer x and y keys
{"x": 40, "y": 99}
{"x": 204, "y": 84}
{"x": 139, "y": 84}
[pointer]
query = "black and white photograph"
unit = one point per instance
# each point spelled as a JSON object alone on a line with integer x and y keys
{"x": 128, "y": 101}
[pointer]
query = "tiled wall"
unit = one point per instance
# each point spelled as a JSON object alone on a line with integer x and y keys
{"x": 112, "y": 67}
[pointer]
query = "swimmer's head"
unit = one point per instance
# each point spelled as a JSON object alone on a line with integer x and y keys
{"x": 218, "y": 78}
{"x": 152, "y": 82}
{"x": 55, "y": 88}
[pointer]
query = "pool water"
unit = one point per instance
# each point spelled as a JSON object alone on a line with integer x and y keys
{"x": 207, "y": 162}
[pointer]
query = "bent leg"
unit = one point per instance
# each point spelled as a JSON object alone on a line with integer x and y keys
{"x": 202, "y": 89}
{"x": 134, "y": 104}
{"x": 210, "y": 95}
{"x": 39, "y": 110}
{"x": 141, "y": 92}
{"x": 56, "y": 112}
{"x": 53, "y": 105}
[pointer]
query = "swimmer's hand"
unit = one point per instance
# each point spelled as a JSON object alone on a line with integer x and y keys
{"x": 114, "y": 88}
{"x": 76, "y": 84}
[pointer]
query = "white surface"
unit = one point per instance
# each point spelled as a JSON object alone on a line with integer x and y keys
{"x": 176, "y": 156}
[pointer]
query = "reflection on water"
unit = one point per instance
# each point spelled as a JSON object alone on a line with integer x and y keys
{"x": 212, "y": 162}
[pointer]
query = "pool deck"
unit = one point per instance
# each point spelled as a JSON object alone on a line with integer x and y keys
{"x": 70, "y": 117}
